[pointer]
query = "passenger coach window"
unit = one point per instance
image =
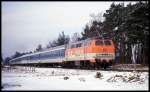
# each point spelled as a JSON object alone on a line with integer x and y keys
{"x": 98, "y": 42}
{"x": 107, "y": 42}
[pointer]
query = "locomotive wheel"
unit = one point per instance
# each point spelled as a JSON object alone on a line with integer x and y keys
{"x": 105, "y": 65}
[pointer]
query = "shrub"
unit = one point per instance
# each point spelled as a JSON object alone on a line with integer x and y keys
{"x": 98, "y": 75}
{"x": 66, "y": 78}
{"x": 82, "y": 79}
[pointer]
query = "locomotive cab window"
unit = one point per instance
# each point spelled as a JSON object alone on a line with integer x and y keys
{"x": 99, "y": 42}
{"x": 107, "y": 42}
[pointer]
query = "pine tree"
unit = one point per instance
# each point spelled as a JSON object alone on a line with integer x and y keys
{"x": 137, "y": 28}
{"x": 76, "y": 37}
{"x": 39, "y": 48}
{"x": 62, "y": 39}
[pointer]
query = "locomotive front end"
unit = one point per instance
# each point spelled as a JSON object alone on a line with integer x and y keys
{"x": 105, "y": 52}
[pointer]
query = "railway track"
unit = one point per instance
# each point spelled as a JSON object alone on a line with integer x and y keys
{"x": 112, "y": 68}
{"x": 125, "y": 70}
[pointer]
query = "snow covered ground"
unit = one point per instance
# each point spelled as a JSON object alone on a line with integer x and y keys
{"x": 75, "y": 79}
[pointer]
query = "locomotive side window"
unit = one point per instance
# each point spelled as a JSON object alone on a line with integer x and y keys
{"x": 73, "y": 46}
{"x": 99, "y": 42}
{"x": 87, "y": 43}
{"x": 107, "y": 42}
{"x": 78, "y": 45}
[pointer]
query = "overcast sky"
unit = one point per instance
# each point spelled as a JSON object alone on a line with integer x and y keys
{"x": 27, "y": 24}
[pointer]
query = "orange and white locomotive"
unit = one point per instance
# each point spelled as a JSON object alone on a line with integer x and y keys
{"x": 98, "y": 52}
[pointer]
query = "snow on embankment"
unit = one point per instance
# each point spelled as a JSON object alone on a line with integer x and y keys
{"x": 73, "y": 79}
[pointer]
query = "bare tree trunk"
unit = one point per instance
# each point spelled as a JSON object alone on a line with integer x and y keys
{"x": 134, "y": 54}
{"x": 122, "y": 47}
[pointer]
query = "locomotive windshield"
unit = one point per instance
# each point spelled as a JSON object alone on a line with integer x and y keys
{"x": 107, "y": 42}
{"x": 99, "y": 42}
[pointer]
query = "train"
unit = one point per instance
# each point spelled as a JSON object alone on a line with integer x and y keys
{"x": 89, "y": 53}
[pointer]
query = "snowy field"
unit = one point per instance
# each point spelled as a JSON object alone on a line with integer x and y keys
{"x": 20, "y": 78}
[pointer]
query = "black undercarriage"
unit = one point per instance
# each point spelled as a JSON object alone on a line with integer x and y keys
{"x": 71, "y": 64}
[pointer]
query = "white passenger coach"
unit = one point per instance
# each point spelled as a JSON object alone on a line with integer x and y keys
{"x": 55, "y": 54}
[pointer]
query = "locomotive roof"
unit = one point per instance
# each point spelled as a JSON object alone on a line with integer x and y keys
{"x": 89, "y": 40}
